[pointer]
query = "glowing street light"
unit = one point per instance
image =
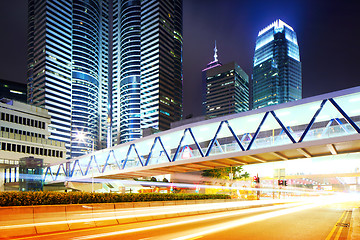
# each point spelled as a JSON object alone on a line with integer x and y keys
{"x": 81, "y": 136}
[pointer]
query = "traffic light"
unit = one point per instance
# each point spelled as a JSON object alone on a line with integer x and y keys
{"x": 258, "y": 180}
{"x": 282, "y": 182}
{"x": 255, "y": 179}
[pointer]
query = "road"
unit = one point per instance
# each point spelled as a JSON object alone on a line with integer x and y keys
{"x": 282, "y": 221}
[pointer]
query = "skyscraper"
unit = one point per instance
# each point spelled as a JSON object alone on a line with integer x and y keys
{"x": 277, "y": 68}
{"x": 147, "y": 66}
{"x": 126, "y": 71}
{"x": 161, "y": 63}
{"x": 67, "y": 69}
{"x": 225, "y": 88}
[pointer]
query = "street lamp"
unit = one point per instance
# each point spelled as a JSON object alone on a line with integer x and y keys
{"x": 81, "y": 136}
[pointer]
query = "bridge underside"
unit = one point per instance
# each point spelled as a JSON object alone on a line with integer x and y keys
{"x": 317, "y": 148}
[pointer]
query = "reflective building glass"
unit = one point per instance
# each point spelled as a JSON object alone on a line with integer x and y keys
{"x": 277, "y": 68}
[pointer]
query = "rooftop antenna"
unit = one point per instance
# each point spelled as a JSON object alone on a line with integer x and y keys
{"x": 215, "y": 54}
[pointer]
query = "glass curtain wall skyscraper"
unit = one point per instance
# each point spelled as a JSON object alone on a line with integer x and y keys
{"x": 225, "y": 88}
{"x": 147, "y": 66}
{"x": 89, "y": 75}
{"x": 126, "y": 71}
{"x": 277, "y": 67}
{"x": 67, "y": 69}
{"x": 161, "y": 63}
{"x": 50, "y": 63}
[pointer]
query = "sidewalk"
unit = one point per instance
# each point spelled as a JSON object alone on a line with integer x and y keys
{"x": 354, "y": 232}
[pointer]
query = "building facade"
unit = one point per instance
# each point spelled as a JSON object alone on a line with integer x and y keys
{"x": 276, "y": 69}
{"x": 126, "y": 71}
{"x": 225, "y": 88}
{"x": 24, "y": 133}
{"x": 67, "y": 69}
{"x": 147, "y": 67}
{"x": 161, "y": 63}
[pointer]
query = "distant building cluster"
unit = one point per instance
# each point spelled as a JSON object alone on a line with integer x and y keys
{"x": 93, "y": 107}
{"x": 276, "y": 75}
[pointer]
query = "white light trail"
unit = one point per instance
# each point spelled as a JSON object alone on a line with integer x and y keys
{"x": 121, "y": 214}
{"x": 227, "y": 214}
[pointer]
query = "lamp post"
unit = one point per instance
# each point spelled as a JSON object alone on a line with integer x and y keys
{"x": 81, "y": 136}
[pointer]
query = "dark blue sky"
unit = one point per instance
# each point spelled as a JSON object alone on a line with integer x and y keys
{"x": 328, "y": 36}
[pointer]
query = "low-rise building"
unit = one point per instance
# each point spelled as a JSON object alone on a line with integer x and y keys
{"x": 24, "y": 134}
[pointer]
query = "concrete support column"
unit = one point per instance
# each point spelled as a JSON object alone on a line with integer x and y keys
{"x": 2, "y": 176}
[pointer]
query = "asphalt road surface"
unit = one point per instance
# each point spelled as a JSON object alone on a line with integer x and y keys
{"x": 285, "y": 221}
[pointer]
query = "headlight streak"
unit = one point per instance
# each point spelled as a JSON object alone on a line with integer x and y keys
{"x": 261, "y": 217}
{"x": 246, "y": 220}
{"x": 151, "y": 211}
{"x": 257, "y": 218}
{"x": 187, "y": 185}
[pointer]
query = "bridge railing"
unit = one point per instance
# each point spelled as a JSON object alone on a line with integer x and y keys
{"x": 319, "y": 133}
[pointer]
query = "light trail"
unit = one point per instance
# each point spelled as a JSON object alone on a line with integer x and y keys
{"x": 227, "y": 214}
{"x": 150, "y": 213}
{"x": 120, "y": 214}
{"x": 260, "y": 217}
{"x": 202, "y": 186}
{"x": 294, "y": 207}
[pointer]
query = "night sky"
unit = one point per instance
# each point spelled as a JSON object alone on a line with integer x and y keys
{"x": 328, "y": 34}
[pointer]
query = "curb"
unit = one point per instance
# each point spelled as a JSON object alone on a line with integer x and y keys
{"x": 354, "y": 231}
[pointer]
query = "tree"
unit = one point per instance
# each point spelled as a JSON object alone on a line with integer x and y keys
{"x": 223, "y": 173}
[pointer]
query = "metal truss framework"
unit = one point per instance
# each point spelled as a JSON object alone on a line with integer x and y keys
{"x": 70, "y": 169}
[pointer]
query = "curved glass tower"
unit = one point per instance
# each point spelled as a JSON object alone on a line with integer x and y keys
{"x": 277, "y": 67}
{"x": 126, "y": 71}
{"x": 89, "y": 75}
{"x": 147, "y": 66}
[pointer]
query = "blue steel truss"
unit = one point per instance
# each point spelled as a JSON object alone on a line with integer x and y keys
{"x": 67, "y": 170}
{"x": 181, "y": 141}
{"x": 157, "y": 139}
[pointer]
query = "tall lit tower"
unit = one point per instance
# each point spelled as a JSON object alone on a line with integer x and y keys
{"x": 147, "y": 66}
{"x": 225, "y": 88}
{"x": 277, "y": 67}
{"x": 126, "y": 71}
{"x": 67, "y": 69}
{"x": 50, "y": 63}
{"x": 89, "y": 75}
{"x": 161, "y": 63}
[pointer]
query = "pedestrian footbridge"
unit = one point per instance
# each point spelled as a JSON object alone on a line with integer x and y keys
{"x": 318, "y": 126}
